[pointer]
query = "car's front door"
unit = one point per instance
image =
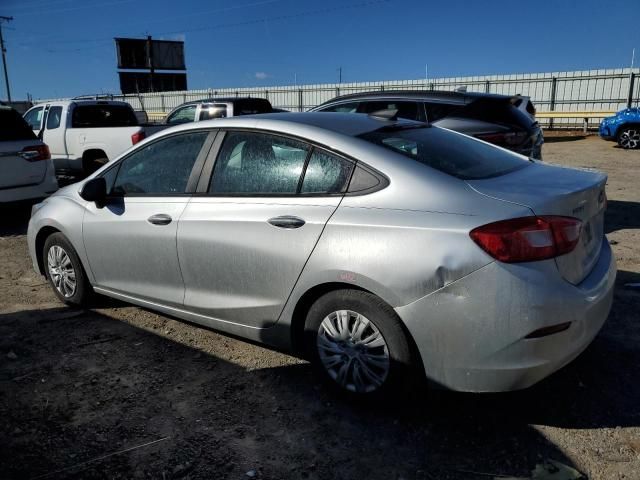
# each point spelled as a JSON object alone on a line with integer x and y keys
{"x": 131, "y": 241}
{"x": 244, "y": 243}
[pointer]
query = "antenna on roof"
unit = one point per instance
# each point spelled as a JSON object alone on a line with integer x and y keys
{"x": 386, "y": 114}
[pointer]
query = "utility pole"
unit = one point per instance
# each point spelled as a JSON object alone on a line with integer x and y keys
{"x": 150, "y": 54}
{"x": 340, "y": 75}
{"x": 4, "y": 55}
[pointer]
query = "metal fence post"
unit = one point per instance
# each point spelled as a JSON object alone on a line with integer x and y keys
{"x": 300, "y": 106}
{"x": 382, "y": 88}
{"x": 552, "y": 103}
{"x": 162, "y": 103}
{"x": 486, "y": 86}
{"x": 632, "y": 77}
{"x": 337, "y": 91}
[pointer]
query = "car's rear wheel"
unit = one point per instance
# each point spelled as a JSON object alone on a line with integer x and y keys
{"x": 629, "y": 137}
{"x": 355, "y": 341}
{"x": 64, "y": 271}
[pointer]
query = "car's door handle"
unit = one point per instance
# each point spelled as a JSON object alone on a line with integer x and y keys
{"x": 286, "y": 221}
{"x": 160, "y": 219}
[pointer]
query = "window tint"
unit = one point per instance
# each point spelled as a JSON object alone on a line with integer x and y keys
{"x": 183, "y": 115}
{"x": 408, "y": 110}
{"x": 362, "y": 180}
{"x": 207, "y": 112}
{"x": 34, "y": 118}
{"x": 162, "y": 167}
{"x": 326, "y": 173}
{"x": 98, "y": 116}
{"x": 351, "y": 107}
{"x": 256, "y": 163}
{"x": 13, "y": 126}
{"x": 53, "y": 117}
{"x": 455, "y": 154}
{"x": 251, "y": 106}
{"x": 436, "y": 111}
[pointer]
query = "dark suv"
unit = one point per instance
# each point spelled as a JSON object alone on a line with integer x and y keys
{"x": 506, "y": 121}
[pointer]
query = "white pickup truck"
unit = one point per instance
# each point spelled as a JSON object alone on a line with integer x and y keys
{"x": 83, "y": 135}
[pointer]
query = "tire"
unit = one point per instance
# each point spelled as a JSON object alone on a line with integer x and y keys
{"x": 629, "y": 137}
{"x": 64, "y": 271}
{"x": 90, "y": 165}
{"x": 386, "y": 365}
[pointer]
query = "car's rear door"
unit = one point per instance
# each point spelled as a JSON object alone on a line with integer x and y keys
{"x": 17, "y": 167}
{"x": 131, "y": 240}
{"x": 244, "y": 241}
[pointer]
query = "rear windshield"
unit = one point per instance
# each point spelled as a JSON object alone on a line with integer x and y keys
{"x": 96, "y": 116}
{"x": 455, "y": 154}
{"x": 492, "y": 110}
{"x": 13, "y": 127}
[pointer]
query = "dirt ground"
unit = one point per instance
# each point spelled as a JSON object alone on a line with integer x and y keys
{"x": 121, "y": 392}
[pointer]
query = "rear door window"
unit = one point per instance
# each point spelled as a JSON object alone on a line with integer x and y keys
{"x": 99, "y": 116}
{"x": 449, "y": 152}
{"x": 258, "y": 164}
{"x": 350, "y": 107}
{"x": 326, "y": 173}
{"x": 436, "y": 110}
{"x": 408, "y": 110}
{"x": 207, "y": 111}
{"x": 53, "y": 118}
{"x": 14, "y": 127}
{"x": 495, "y": 110}
{"x": 34, "y": 118}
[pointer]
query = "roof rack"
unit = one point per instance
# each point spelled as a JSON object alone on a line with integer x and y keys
{"x": 95, "y": 96}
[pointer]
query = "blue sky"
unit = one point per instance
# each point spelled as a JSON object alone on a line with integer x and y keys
{"x": 65, "y": 47}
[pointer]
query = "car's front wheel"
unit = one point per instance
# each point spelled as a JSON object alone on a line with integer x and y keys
{"x": 629, "y": 137}
{"x": 64, "y": 271}
{"x": 356, "y": 342}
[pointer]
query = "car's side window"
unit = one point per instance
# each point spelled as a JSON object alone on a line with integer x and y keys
{"x": 53, "y": 118}
{"x": 350, "y": 107}
{"x": 160, "y": 168}
{"x": 408, "y": 110}
{"x": 34, "y": 118}
{"x": 326, "y": 173}
{"x": 436, "y": 111}
{"x": 207, "y": 112}
{"x": 183, "y": 115}
{"x": 258, "y": 163}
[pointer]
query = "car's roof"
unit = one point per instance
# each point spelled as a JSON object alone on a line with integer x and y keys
{"x": 223, "y": 99}
{"x": 349, "y": 124}
{"x": 438, "y": 95}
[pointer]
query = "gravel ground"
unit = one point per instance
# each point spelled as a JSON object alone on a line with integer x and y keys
{"x": 121, "y": 392}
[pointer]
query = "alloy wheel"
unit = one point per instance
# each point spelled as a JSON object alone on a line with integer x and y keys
{"x": 630, "y": 138}
{"x": 353, "y": 351}
{"x": 61, "y": 271}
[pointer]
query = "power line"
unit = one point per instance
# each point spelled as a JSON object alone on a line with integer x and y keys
{"x": 309, "y": 13}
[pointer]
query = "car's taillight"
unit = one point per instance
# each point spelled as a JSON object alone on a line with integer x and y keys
{"x": 35, "y": 153}
{"x": 502, "y": 138}
{"x": 528, "y": 239}
{"x": 138, "y": 137}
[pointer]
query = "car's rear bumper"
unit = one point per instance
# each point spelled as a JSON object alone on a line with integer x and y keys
{"x": 47, "y": 186}
{"x": 471, "y": 333}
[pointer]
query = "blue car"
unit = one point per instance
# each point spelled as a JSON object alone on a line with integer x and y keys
{"x": 624, "y": 128}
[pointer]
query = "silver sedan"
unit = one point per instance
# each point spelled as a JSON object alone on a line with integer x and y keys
{"x": 380, "y": 249}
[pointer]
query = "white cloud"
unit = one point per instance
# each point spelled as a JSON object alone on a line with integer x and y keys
{"x": 262, "y": 75}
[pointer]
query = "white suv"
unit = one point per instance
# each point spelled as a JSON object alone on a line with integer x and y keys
{"x": 26, "y": 168}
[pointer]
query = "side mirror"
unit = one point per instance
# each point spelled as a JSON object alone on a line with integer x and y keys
{"x": 95, "y": 190}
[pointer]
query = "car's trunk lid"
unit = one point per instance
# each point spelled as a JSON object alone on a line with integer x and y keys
{"x": 554, "y": 190}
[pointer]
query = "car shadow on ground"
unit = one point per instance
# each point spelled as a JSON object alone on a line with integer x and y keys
{"x": 78, "y": 386}
{"x": 562, "y": 138}
{"x": 621, "y": 215}
{"x": 14, "y": 219}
